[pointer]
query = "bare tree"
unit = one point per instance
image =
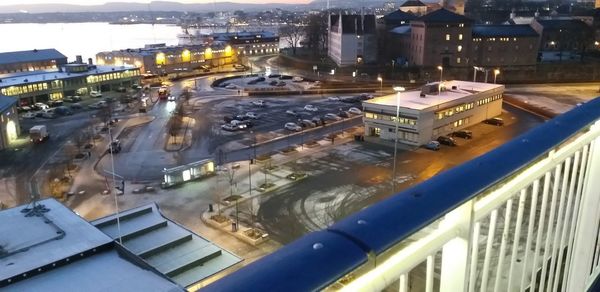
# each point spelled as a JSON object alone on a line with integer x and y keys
{"x": 231, "y": 180}
{"x": 316, "y": 34}
{"x": 293, "y": 34}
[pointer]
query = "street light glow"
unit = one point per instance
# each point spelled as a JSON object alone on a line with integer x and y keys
{"x": 379, "y": 79}
{"x": 399, "y": 89}
{"x": 440, "y": 68}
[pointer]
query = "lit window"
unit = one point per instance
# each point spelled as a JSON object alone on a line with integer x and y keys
{"x": 447, "y": 37}
{"x": 458, "y": 60}
{"x": 459, "y": 48}
{"x": 460, "y": 37}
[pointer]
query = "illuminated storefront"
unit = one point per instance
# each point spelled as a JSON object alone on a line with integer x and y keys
{"x": 9, "y": 122}
{"x": 184, "y": 173}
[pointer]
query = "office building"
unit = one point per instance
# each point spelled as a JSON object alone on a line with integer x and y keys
{"x": 251, "y": 43}
{"x": 352, "y": 39}
{"x": 435, "y": 110}
{"x": 33, "y": 60}
{"x": 505, "y": 45}
{"x": 69, "y": 79}
{"x": 160, "y": 59}
{"x": 9, "y": 121}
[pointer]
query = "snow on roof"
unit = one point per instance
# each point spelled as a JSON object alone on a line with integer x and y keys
{"x": 30, "y": 56}
{"x": 105, "y": 271}
{"x": 13, "y": 79}
{"x": 413, "y": 99}
{"x": 30, "y": 242}
{"x": 170, "y": 248}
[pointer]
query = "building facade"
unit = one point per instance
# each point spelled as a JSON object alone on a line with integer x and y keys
{"x": 160, "y": 59}
{"x": 505, "y": 45}
{"x": 250, "y": 43}
{"x": 442, "y": 38}
{"x": 429, "y": 113}
{"x": 352, "y": 39}
{"x": 9, "y": 121}
{"x": 563, "y": 34}
{"x": 70, "y": 79}
{"x": 26, "y": 61}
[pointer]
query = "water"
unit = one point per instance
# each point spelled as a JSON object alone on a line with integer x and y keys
{"x": 85, "y": 39}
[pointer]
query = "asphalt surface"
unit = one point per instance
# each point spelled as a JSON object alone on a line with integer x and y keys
{"x": 343, "y": 182}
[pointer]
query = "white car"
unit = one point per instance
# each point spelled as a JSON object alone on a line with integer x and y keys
{"x": 291, "y": 112}
{"x": 252, "y": 115}
{"x": 292, "y": 127}
{"x": 259, "y": 102}
{"x": 95, "y": 94}
{"x": 332, "y": 117}
{"x": 310, "y": 107}
{"x": 297, "y": 79}
{"x": 231, "y": 86}
{"x": 333, "y": 98}
{"x": 28, "y": 115}
{"x": 355, "y": 111}
{"x": 41, "y": 106}
{"x": 229, "y": 127}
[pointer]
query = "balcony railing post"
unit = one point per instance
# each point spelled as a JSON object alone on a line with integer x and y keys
{"x": 587, "y": 223}
{"x": 455, "y": 253}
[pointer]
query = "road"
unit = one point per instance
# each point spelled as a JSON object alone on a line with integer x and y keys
{"x": 344, "y": 181}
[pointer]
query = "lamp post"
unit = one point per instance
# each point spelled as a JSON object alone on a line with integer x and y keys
{"x": 441, "y": 78}
{"x": 398, "y": 90}
{"x": 380, "y": 83}
{"x": 475, "y": 69}
{"x": 496, "y": 73}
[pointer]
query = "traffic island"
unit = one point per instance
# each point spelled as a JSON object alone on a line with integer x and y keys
{"x": 248, "y": 235}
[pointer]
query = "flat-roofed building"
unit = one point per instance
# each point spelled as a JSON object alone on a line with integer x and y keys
{"x": 429, "y": 113}
{"x": 47, "y": 247}
{"x": 250, "y": 43}
{"x": 70, "y": 79}
{"x": 9, "y": 121}
{"x": 161, "y": 59}
{"x": 32, "y": 60}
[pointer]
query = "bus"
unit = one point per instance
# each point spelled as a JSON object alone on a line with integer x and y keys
{"x": 163, "y": 93}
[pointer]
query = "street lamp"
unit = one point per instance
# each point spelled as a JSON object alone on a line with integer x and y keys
{"x": 496, "y": 73}
{"x": 441, "y": 78}
{"x": 398, "y": 90}
{"x": 380, "y": 83}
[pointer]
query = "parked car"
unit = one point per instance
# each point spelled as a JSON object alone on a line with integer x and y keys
{"x": 55, "y": 103}
{"x": 344, "y": 114}
{"x": 273, "y": 83}
{"x": 121, "y": 89}
{"x": 273, "y": 75}
{"x": 260, "y": 79}
{"x": 76, "y": 106}
{"x": 285, "y": 77}
{"x": 40, "y": 106}
{"x": 281, "y": 83}
{"x": 292, "y": 112}
{"x": 355, "y": 111}
{"x": 239, "y": 67}
{"x": 351, "y": 100}
{"x": 292, "y": 127}
{"x": 297, "y": 79}
{"x": 332, "y": 117}
{"x": 333, "y": 98}
{"x": 465, "y": 134}
{"x": 63, "y": 111}
{"x": 229, "y": 127}
{"x": 307, "y": 124}
{"x": 318, "y": 121}
{"x": 114, "y": 147}
{"x": 432, "y": 145}
{"x": 259, "y": 102}
{"x": 365, "y": 96}
{"x": 48, "y": 115}
{"x": 446, "y": 140}
{"x": 224, "y": 84}
{"x": 136, "y": 87}
{"x": 252, "y": 115}
{"x": 24, "y": 108}
{"x": 68, "y": 99}
{"x": 231, "y": 86}
{"x": 310, "y": 107}
{"x": 494, "y": 121}
{"x": 241, "y": 117}
{"x": 28, "y": 115}
{"x": 95, "y": 94}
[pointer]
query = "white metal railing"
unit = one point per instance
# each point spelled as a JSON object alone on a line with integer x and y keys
{"x": 546, "y": 237}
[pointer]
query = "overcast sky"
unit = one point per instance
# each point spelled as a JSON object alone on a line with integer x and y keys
{"x": 95, "y": 2}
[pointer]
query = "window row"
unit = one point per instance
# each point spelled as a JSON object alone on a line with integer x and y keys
{"x": 455, "y": 110}
{"x": 401, "y": 120}
{"x": 16, "y": 90}
{"x": 489, "y": 99}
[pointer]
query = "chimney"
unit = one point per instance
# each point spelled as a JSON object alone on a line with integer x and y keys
{"x": 90, "y": 61}
{"x": 78, "y": 59}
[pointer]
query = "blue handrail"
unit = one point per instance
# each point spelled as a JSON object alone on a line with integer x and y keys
{"x": 320, "y": 258}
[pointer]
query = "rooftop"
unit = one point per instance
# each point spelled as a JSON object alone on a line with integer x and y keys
{"x": 42, "y": 236}
{"x": 30, "y": 56}
{"x": 170, "y": 248}
{"x": 223, "y": 36}
{"x": 403, "y": 29}
{"x": 413, "y": 99}
{"x": 12, "y": 79}
{"x": 444, "y": 16}
{"x": 161, "y": 48}
{"x": 521, "y": 30}
{"x": 399, "y": 16}
{"x": 411, "y": 3}
{"x": 6, "y": 102}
